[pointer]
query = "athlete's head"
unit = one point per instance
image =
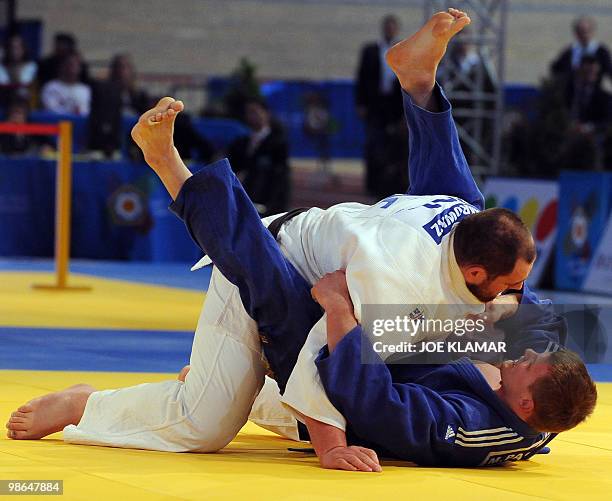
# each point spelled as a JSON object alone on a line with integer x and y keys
{"x": 552, "y": 392}
{"x": 495, "y": 251}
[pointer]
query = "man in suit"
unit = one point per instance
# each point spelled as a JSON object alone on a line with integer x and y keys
{"x": 378, "y": 98}
{"x": 568, "y": 62}
{"x": 261, "y": 159}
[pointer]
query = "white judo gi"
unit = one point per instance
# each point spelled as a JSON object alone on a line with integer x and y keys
{"x": 398, "y": 251}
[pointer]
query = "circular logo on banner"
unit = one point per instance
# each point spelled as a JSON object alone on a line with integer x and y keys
{"x": 128, "y": 206}
{"x": 579, "y": 227}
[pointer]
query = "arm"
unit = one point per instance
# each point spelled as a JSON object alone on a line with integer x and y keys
{"x": 329, "y": 442}
{"x": 407, "y": 420}
{"x": 535, "y": 325}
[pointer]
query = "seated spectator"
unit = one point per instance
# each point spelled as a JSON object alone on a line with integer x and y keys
{"x": 112, "y": 99}
{"x": 64, "y": 44}
{"x": 22, "y": 144}
{"x": 17, "y": 69}
{"x": 565, "y": 65}
{"x": 67, "y": 94}
{"x": 261, "y": 159}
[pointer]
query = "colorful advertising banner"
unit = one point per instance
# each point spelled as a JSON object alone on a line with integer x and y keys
{"x": 535, "y": 201}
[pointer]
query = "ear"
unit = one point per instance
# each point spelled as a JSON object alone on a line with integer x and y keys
{"x": 474, "y": 274}
{"x": 526, "y": 406}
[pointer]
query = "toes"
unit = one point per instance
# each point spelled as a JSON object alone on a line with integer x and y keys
{"x": 25, "y": 408}
{"x": 15, "y": 426}
{"x": 18, "y": 435}
{"x": 164, "y": 102}
{"x": 177, "y": 106}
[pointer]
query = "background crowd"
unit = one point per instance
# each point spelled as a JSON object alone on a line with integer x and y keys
{"x": 568, "y": 126}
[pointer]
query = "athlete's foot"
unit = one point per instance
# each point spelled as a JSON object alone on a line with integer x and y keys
{"x": 183, "y": 374}
{"x": 49, "y": 414}
{"x": 153, "y": 133}
{"x": 415, "y": 60}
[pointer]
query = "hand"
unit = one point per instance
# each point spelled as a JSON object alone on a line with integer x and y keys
{"x": 500, "y": 308}
{"x": 332, "y": 293}
{"x": 352, "y": 458}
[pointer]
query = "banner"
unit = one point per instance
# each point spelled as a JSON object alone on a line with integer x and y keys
{"x": 599, "y": 277}
{"x": 536, "y": 202}
{"x": 583, "y": 215}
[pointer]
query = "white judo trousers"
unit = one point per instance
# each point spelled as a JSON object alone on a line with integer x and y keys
{"x": 206, "y": 411}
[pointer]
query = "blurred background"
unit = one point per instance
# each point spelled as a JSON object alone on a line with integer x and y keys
{"x": 297, "y": 95}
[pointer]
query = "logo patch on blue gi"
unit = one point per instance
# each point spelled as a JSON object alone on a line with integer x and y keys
{"x": 443, "y": 222}
{"x": 450, "y": 433}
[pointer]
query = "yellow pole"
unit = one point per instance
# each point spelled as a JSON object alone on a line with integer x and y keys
{"x": 63, "y": 203}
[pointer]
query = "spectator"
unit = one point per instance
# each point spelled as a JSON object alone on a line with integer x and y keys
{"x": 379, "y": 104}
{"x": 588, "y": 103}
{"x": 17, "y": 69}
{"x": 319, "y": 126}
{"x": 112, "y": 99}
{"x": 21, "y": 144}
{"x": 64, "y": 44}
{"x": 569, "y": 60}
{"x": 589, "y": 112}
{"x": 67, "y": 94}
{"x": 261, "y": 159}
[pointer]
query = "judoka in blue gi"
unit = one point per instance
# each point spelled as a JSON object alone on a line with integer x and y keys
{"x": 459, "y": 414}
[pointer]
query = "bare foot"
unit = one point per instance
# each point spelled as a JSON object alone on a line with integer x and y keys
{"x": 154, "y": 136}
{"x": 183, "y": 374}
{"x": 49, "y": 414}
{"x": 153, "y": 133}
{"x": 415, "y": 60}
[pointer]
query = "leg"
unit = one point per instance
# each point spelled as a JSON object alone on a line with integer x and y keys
{"x": 436, "y": 165}
{"x": 222, "y": 220}
{"x": 203, "y": 413}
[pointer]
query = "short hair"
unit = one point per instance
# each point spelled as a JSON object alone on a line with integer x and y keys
{"x": 565, "y": 396}
{"x": 65, "y": 38}
{"x": 494, "y": 239}
{"x": 390, "y": 18}
{"x": 581, "y": 19}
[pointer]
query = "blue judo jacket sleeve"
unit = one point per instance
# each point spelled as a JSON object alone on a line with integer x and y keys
{"x": 437, "y": 165}
{"x": 535, "y": 325}
{"x": 222, "y": 220}
{"x": 406, "y": 420}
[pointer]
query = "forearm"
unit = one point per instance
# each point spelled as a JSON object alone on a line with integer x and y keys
{"x": 324, "y": 437}
{"x": 340, "y": 321}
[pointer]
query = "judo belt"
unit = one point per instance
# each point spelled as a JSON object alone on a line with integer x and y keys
{"x": 275, "y": 225}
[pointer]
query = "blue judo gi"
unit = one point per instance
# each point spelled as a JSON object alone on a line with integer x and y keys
{"x": 432, "y": 415}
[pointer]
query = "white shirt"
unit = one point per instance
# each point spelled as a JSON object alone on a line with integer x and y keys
{"x": 72, "y": 99}
{"x": 387, "y": 77}
{"x": 578, "y": 51}
{"x": 25, "y": 76}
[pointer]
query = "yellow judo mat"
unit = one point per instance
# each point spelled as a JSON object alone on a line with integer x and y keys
{"x": 257, "y": 464}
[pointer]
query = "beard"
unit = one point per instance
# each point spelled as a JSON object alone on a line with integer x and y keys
{"x": 482, "y": 291}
